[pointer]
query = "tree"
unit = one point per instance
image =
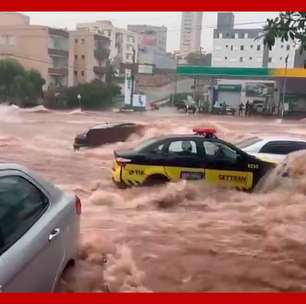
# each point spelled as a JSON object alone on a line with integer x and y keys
{"x": 95, "y": 95}
{"x": 27, "y": 89}
{"x": 19, "y": 86}
{"x": 288, "y": 25}
{"x": 9, "y": 70}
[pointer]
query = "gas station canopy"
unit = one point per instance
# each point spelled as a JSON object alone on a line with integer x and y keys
{"x": 228, "y": 72}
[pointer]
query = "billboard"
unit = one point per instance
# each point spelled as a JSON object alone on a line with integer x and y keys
{"x": 145, "y": 69}
{"x": 127, "y": 87}
{"x": 259, "y": 89}
{"x": 139, "y": 101}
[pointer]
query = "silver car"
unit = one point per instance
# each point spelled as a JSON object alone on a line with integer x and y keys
{"x": 39, "y": 231}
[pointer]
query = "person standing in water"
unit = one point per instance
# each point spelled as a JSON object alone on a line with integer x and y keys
{"x": 247, "y": 108}
{"x": 241, "y": 109}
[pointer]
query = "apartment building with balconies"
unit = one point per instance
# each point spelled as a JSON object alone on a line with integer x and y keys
{"x": 89, "y": 56}
{"x": 123, "y": 43}
{"x": 41, "y": 48}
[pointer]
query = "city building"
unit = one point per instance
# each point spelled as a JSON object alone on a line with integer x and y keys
{"x": 152, "y": 46}
{"x": 150, "y": 36}
{"x": 89, "y": 56}
{"x": 191, "y": 30}
{"x": 233, "y": 47}
{"x": 123, "y": 43}
{"x": 35, "y": 47}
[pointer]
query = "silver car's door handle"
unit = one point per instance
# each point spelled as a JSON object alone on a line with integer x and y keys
{"x": 54, "y": 233}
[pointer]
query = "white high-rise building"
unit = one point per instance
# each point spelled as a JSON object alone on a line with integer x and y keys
{"x": 233, "y": 47}
{"x": 191, "y": 30}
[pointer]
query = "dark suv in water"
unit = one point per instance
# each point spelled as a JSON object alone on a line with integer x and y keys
{"x": 106, "y": 133}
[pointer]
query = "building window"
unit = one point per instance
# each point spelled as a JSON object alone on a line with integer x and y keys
{"x": 82, "y": 73}
{"x": 288, "y": 47}
{"x": 76, "y": 40}
{"x": 258, "y": 47}
{"x": 241, "y": 59}
{"x": 282, "y": 46}
{"x": 241, "y": 47}
{"x": 225, "y": 58}
{"x": 83, "y": 41}
{"x": 232, "y": 47}
{"x": 226, "y": 46}
{"x": 75, "y": 73}
{"x": 83, "y": 57}
{"x": 76, "y": 57}
{"x": 281, "y": 58}
{"x": 251, "y": 58}
{"x": 270, "y": 59}
{"x": 251, "y": 46}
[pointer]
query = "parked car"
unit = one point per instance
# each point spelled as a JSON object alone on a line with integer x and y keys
{"x": 39, "y": 231}
{"x": 273, "y": 148}
{"x": 223, "y": 109}
{"x": 230, "y": 110}
{"x": 201, "y": 156}
{"x": 106, "y": 133}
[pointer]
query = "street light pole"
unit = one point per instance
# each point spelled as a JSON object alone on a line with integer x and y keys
{"x": 79, "y": 97}
{"x": 132, "y": 77}
{"x": 284, "y": 86}
{"x": 175, "y": 81}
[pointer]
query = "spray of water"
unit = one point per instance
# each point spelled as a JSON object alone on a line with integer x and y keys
{"x": 178, "y": 237}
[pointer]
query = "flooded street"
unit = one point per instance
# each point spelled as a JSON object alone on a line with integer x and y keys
{"x": 179, "y": 237}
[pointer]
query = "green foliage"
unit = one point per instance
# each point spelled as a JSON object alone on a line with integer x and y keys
{"x": 288, "y": 25}
{"x": 95, "y": 95}
{"x": 18, "y": 86}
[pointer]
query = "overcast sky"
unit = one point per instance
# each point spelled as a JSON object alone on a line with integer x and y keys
{"x": 172, "y": 20}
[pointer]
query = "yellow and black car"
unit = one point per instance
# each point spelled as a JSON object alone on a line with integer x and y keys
{"x": 200, "y": 156}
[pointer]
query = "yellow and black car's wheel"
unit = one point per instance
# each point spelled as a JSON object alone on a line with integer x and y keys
{"x": 156, "y": 180}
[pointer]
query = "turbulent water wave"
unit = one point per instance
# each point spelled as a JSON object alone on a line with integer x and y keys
{"x": 179, "y": 237}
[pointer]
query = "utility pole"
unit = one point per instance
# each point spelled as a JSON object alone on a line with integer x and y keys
{"x": 175, "y": 81}
{"x": 132, "y": 76}
{"x": 284, "y": 87}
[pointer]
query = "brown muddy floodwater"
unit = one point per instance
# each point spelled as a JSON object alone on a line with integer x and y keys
{"x": 179, "y": 237}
